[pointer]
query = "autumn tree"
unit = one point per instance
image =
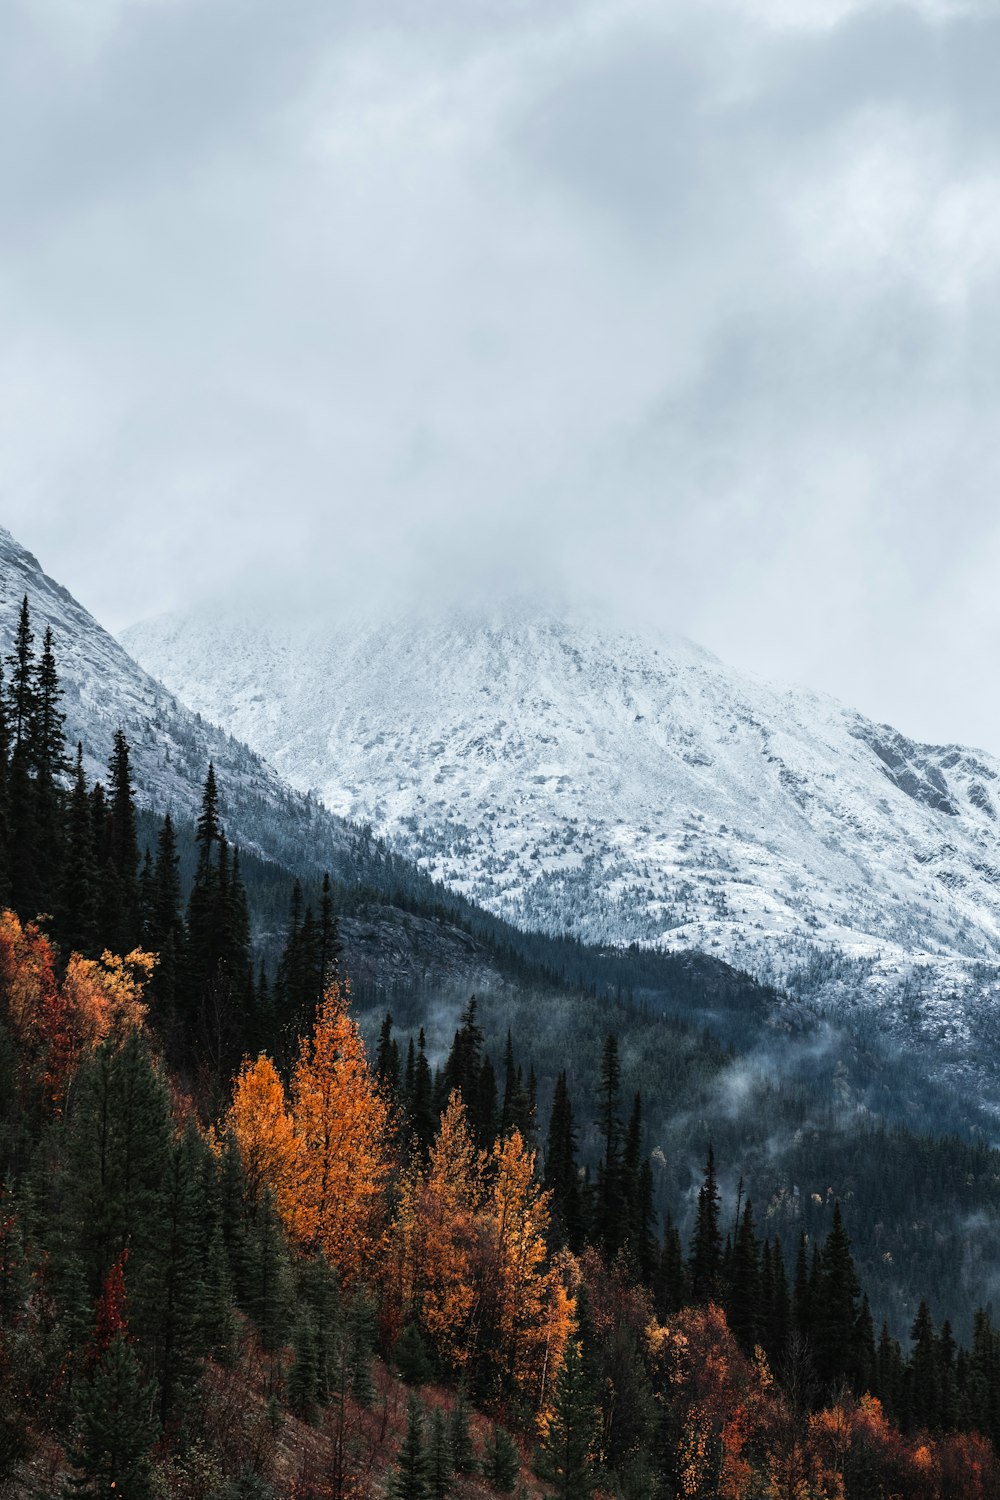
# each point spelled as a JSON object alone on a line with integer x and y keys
{"x": 262, "y": 1127}
{"x": 341, "y": 1123}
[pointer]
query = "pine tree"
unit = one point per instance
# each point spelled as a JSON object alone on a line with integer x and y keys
{"x": 118, "y": 1147}
{"x": 440, "y": 1472}
{"x": 387, "y": 1059}
{"x": 564, "y": 1457}
{"x": 410, "y": 1481}
{"x": 423, "y": 1117}
{"x": 744, "y": 1299}
{"x": 122, "y": 922}
{"x": 114, "y": 1431}
{"x": 611, "y": 1209}
{"x": 460, "y": 1434}
{"x": 113, "y": 1428}
{"x": 166, "y": 927}
{"x": 705, "y": 1260}
{"x": 923, "y": 1387}
{"x": 501, "y": 1461}
{"x": 49, "y": 763}
{"x": 26, "y": 877}
{"x": 176, "y": 1317}
{"x": 670, "y": 1280}
{"x": 21, "y": 694}
{"x": 268, "y": 1277}
{"x": 77, "y": 909}
{"x": 637, "y": 1189}
{"x": 561, "y": 1176}
{"x": 303, "y": 1379}
{"x": 330, "y": 946}
{"x": 836, "y": 1308}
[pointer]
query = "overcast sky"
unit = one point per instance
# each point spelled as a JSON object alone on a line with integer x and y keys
{"x": 690, "y": 305}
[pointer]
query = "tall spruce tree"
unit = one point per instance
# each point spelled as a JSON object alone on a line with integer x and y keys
{"x": 564, "y": 1458}
{"x": 77, "y": 908}
{"x": 610, "y": 1211}
{"x": 561, "y": 1175}
{"x": 705, "y": 1259}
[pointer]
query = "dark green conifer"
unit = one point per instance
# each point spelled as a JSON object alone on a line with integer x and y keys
{"x": 561, "y": 1176}
{"x": 463, "y": 1459}
{"x": 303, "y": 1378}
{"x": 610, "y": 1214}
{"x": 77, "y": 910}
{"x": 501, "y": 1461}
{"x": 122, "y": 918}
{"x": 565, "y": 1454}
{"x": 744, "y": 1298}
{"x": 705, "y": 1259}
{"x": 440, "y": 1473}
{"x": 670, "y": 1281}
{"x": 410, "y": 1480}
{"x": 114, "y": 1429}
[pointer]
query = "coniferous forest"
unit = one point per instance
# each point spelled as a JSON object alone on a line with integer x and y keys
{"x": 245, "y": 1252}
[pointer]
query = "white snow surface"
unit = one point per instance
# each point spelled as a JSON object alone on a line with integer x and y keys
{"x": 578, "y": 776}
{"x": 171, "y": 746}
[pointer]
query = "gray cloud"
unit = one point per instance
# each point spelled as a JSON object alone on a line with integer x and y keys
{"x": 695, "y": 307}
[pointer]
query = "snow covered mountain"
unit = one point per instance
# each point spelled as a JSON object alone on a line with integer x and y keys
{"x": 573, "y": 776}
{"x": 171, "y": 746}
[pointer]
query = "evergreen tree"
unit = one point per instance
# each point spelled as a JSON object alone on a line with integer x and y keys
{"x": 923, "y": 1389}
{"x": 776, "y": 1300}
{"x": 705, "y": 1259}
{"x": 670, "y": 1280}
{"x": 440, "y": 1471}
{"x": 166, "y": 927}
{"x": 387, "y": 1059}
{"x": 561, "y": 1176}
{"x": 21, "y": 694}
{"x": 463, "y": 1459}
{"x": 501, "y": 1462}
{"x": 410, "y": 1482}
{"x": 564, "y": 1457}
{"x": 48, "y": 757}
{"x": 637, "y": 1189}
{"x": 175, "y": 1318}
{"x": 122, "y": 928}
{"x": 26, "y": 877}
{"x": 423, "y": 1116}
{"x": 836, "y": 1308}
{"x": 268, "y": 1277}
{"x": 117, "y": 1155}
{"x": 330, "y": 946}
{"x": 611, "y": 1208}
{"x": 114, "y": 1431}
{"x": 303, "y": 1378}
{"x": 744, "y": 1299}
{"x": 77, "y": 909}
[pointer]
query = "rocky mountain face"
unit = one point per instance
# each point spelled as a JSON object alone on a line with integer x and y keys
{"x": 574, "y": 776}
{"x": 104, "y": 690}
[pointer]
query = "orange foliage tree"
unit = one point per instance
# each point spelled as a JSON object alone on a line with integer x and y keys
{"x": 726, "y": 1406}
{"x": 533, "y": 1308}
{"x": 55, "y": 1025}
{"x": 261, "y": 1122}
{"x": 469, "y": 1261}
{"x": 342, "y": 1128}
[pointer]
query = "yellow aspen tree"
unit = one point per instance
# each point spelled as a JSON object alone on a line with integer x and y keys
{"x": 532, "y": 1308}
{"x": 260, "y": 1120}
{"x": 450, "y": 1206}
{"x": 104, "y": 996}
{"x": 342, "y": 1126}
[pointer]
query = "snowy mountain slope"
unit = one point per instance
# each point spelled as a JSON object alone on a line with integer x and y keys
{"x": 171, "y": 746}
{"x": 573, "y": 776}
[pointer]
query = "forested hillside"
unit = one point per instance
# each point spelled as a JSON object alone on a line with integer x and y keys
{"x": 244, "y": 1254}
